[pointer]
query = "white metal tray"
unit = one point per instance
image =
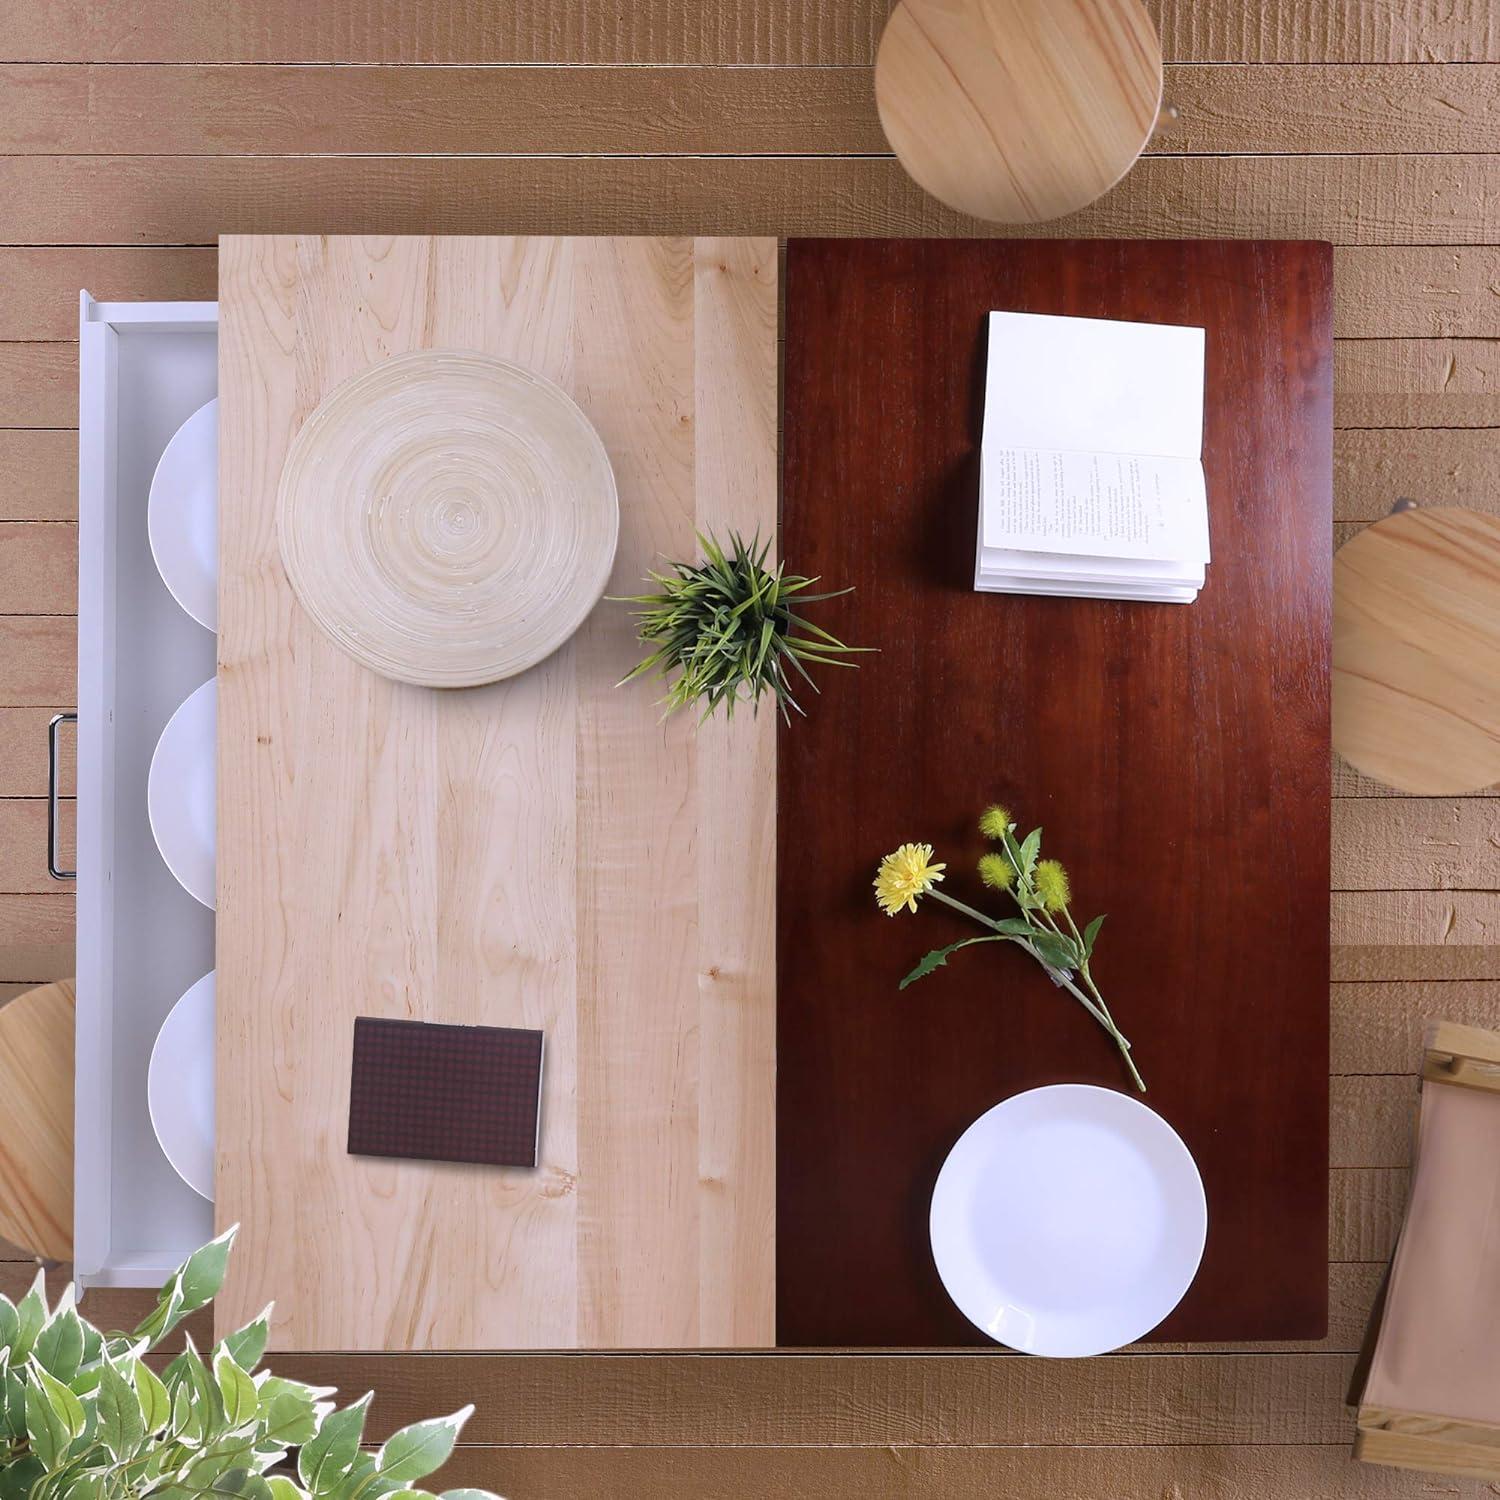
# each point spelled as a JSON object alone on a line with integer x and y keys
{"x": 144, "y": 368}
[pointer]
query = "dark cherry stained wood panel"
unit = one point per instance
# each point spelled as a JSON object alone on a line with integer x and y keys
{"x": 1177, "y": 758}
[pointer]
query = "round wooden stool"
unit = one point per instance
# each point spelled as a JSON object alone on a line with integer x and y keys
{"x": 1416, "y": 651}
{"x": 1018, "y": 110}
{"x": 36, "y": 1121}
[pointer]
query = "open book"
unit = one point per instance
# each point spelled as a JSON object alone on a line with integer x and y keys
{"x": 1091, "y": 474}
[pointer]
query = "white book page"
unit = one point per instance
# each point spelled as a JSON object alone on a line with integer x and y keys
{"x": 1093, "y": 385}
{"x": 1093, "y": 504}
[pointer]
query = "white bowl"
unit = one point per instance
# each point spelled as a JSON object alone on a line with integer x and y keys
{"x": 182, "y": 515}
{"x": 180, "y": 792}
{"x": 1068, "y": 1220}
{"x": 180, "y": 1087}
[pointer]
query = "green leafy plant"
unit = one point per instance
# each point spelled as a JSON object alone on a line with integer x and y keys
{"x": 85, "y": 1417}
{"x": 731, "y": 629}
{"x": 1044, "y": 928}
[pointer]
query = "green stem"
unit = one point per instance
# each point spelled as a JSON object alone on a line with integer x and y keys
{"x": 1056, "y": 975}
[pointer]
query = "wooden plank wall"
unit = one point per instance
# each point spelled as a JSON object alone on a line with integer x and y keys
{"x": 131, "y": 135}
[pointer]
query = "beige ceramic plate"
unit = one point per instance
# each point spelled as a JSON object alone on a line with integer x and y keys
{"x": 448, "y": 518}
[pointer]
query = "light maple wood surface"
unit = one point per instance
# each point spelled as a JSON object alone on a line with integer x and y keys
{"x": 544, "y": 852}
{"x": 1416, "y": 651}
{"x": 1361, "y": 121}
{"x": 1017, "y": 111}
{"x": 36, "y": 1120}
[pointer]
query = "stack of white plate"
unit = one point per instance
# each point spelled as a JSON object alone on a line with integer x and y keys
{"x": 182, "y": 522}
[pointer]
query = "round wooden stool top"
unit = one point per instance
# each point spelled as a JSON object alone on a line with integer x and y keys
{"x": 36, "y": 1121}
{"x": 1018, "y": 110}
{"x": 1416, "y": 651}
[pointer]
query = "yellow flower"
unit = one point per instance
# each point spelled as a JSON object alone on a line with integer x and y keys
{"x": 905, "y": 875}
{"x": 995, "y": 821}
{"x": 1051, "y": 882}
{"x": 996, "y": 871}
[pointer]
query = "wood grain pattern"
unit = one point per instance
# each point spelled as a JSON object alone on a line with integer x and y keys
{"x": 1018, "y": 111}
{"x": 1416, "y": 652}
{"x": 39, "y": 385}
{"x": 23, "y": 845}
{"x": 1249, "y": 1472}
{"x": 23, "y": 754}
{"x": 820, "y": 33}
{"x": 105, "y": 200}
{"x": 36, "y": 1120}
{"x": 1016, "y": 699}
{"x": 38, "y": 659}
{"x": 860, "y": 1400}
{"x": 39, "y": 568}
{"x": 1400, "y": 275}
{"x": 495, "y": 840}
{"x": 39, "y": 476}
{"x": 211, "y": 110}
{"x": 1380, "y": 291}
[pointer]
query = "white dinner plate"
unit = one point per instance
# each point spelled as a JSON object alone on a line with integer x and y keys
{"x": 180, "y": 792}
{"x": 180, "y": 1087}
{"x": 1068, "y": 1220}
{"x": 182, "y": 515}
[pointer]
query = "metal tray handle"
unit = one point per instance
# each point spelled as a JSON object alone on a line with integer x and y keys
{"x": 52, "y": 796}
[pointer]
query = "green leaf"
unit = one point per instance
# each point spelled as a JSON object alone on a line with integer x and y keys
{"x": 13, "y": 1416}
{"x": 202, "y": 1273}
{"x": 419, "y": 1450}
{"x": 1057, "y": 951}
{"x": 54, "y": 1417}
{"x": 59, "y": 1346}
{"x": 938, "y": 958}
{"x": 289, "y": 1413}
{"x": 17, "y": 1479}
{"x": 331, "y": 1452}
{"x": 156, "y": 1404}
{"x": 1031, "y": 846}
{"x": 10, "y": 1323}
{"x": 122, "y": 1428}
{"x": 236, "y": 1390}
{"x": 245, "y": 1346}
{"x": 282, "y": 1488}
{"x": 1090, "y": 933}
{"x": 31, "y": 1317}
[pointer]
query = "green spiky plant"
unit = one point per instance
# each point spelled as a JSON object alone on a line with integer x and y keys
{"x": 729, "y": 629}
{"x": 83, "y": 1416}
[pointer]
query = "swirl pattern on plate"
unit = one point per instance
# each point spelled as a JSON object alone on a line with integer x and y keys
{"x": 448, "y": 518}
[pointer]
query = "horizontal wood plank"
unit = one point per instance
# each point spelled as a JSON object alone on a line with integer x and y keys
{"x": 1374, "y": 961}
{"x": 38, "y": 568}
{"x": 1365, "y": 1208}
{"x": 23, "y": 753}
{"x": 36, "y": 938}
{"x": 38, "y": 660}
{"x": 1445, "y": 466}
{"x": 39, "y": 475}
{"x": 1366, "y": 200}
{"x": 1416, "y": 919}
{"x": 1417, "y": 383}
{"x": 856, "y": 1400}
{"x": 1090, "y": 1473}
{"x": 1370, "y": 1120}
{"x": 42, "y": 284}
{"x": 186, "y": 110}
{"x": 1415, "y": 843}
{"x": 1378, "y": 1026}
{"x": 39, "y": 385}
{"x": 1380, "y": 291}
{"x": 779, "y": 32}
{"x": 23, "y": 845}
